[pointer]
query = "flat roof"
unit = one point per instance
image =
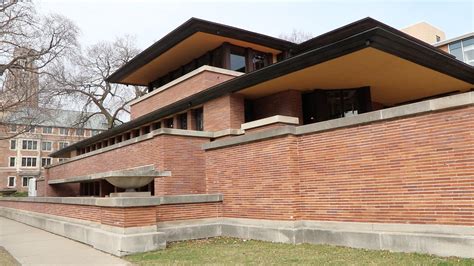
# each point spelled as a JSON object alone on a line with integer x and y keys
{"x": 366, "y": 33}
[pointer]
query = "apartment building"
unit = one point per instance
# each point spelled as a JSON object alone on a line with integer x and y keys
{"x": 25, "y": 149}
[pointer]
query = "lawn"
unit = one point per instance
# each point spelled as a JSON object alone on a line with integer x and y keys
{"x": 6, "y": 259}
{"x": 230, "y": 251}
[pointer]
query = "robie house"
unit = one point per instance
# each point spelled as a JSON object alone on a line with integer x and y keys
{"x": 360, "y": 137}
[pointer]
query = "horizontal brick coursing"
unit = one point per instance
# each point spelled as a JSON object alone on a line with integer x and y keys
{"x": 118, "y": 217}
{"x": 177, "y": 92}
{"x": 182, "y": 156}
{"x": 175, "y": 212}
{"x": 411, "y": 170}
{"x": 88, "y": 213}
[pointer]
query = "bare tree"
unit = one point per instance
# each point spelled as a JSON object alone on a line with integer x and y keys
{"x": 29, "y": 44}
{"x": 296, "y": 36}
{"x": 82, "y": 79}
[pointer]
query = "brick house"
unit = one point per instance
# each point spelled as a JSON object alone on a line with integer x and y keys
{"x": 25, "y": 152}
{"x": 360, "y": 137}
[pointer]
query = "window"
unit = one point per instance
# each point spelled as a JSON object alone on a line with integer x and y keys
{"x": 11, "y": 181}
{"x": 62, "y": 160}
{"x": 30, "y": 144}
{"x": 64, "y": 131}
{"x": 438, "y": 38}
{"x": 79, "y": 132}
{"x": 45, "y": 161}
{"x": 28, "y": 161}
{"x": 95, "y": 132}
{"x": 63, "y": 144}
{"x": 13, "y": 144}
{"x": 463, "y": 50}
{"x": 12, "y": 161}
{"x": 237, "y": 62}
{"x": 30, "y": 129}
{"x": 198, "y": 119}
{"x": 46, "y": 146}
{"x": 258, "y": 61}
{"x": 169, "y": 123}
{"x": 13, "y": 128}
{"x": 183, "y": 121}
{"x": 24, "y": 180}
{"x": 47, "y": 130}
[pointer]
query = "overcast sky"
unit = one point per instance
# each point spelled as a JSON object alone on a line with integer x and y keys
{"x": 148, "y": 21}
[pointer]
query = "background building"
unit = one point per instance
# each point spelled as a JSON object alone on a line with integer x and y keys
{"x": 462, "y": 47}
{"x": 29, "y": 133}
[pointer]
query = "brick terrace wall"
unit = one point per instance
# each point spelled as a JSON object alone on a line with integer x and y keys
{"x": 224, "y": 112}
{"x": 258, "y": 180}
{"x": 83, "y": 212}
{"x": 288, "y": 103}
{"x": 193, "y": 85}
{"x": 410, "y": 170}
{"x": 123, "y": 217}
{"x": 182, "y": 156}
{"x": 175, "y": 212}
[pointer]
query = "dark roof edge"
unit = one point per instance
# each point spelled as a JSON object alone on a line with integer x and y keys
{"x": 378, "y": 38}
{"x": 359, "y": 25}
{"x": 187, "y": 29}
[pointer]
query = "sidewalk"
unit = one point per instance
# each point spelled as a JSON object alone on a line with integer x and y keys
{"x": 32, "y": 246}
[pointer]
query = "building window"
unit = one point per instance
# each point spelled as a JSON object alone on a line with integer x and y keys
{"x": 47, "y": 130}
{"x": 13, "y": 144}
{"x": 12, "y": 161}
{"x": 463, "y": 50}
{"x": 199, "y": 119}
{"x": 28, "y": 161}
{"x": 64, "y": 131}
{"x": 46, "y": 146}
{"x": 30, "y": 129}
{"x": 169, "y": 123}
{"x": 62, "y": 160}
{"x": 63, "y": 144}
{"x": 11, "y": 181}
{"x": 258, "y": 61}
{"x": 24, "y": 180}
{"x": 237, "y": 62}
{"x": 95, "y": 132}
{"x": 183, "y": 121}
{"x": 30, "y": 144}
{"x": 13, "y": 128}
{"x": 79, "y": 132}
{"x": 45, "y": 161}
{"x": 438, "y": 39}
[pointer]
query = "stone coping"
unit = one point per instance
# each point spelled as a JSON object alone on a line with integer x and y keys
{"x": 188, "y": 76}
{"x": 434, "y": 105}
{"x": 122, "y": 202}
{"x": 142, "y": 171}
{"x": 270, "y": 120}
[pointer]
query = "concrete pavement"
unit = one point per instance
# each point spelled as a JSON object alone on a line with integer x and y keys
{"x": 32, "y": 246}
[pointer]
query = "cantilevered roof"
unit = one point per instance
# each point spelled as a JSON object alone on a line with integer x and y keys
{"x": 190, "y": 40}
{"x": 364, "y": 52}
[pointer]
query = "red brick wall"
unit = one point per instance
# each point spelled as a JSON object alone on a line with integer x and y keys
{"x": 182, "y": 156}
{"x": 129, "y": 217}
{"x": 177, "y": 92}
{"x": 411, "y": 170}
{"x": 224, "y": 112}
{"x": 288, "y": 103}
{"x": 175, "y": 212}
{"x": 258, "y": 180}
{"x": 83, "y": 212}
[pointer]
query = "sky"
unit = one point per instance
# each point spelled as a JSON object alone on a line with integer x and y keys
{"x": 148, "y": 21}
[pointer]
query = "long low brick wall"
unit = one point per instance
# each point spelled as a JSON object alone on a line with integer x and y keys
{"x": 144, "y": 212}
{"x": 409, "y": 169}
